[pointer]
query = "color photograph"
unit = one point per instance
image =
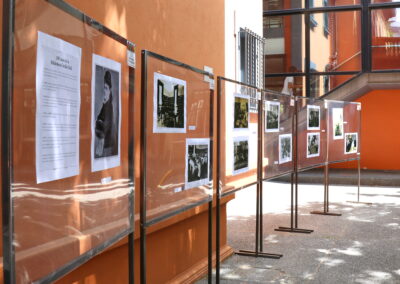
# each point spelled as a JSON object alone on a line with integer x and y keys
{"x": 272, "y": 116}
{"x": 197, "y": 162}
{"x": 313, "y": 117}
{"x": 240, "y": 155}
{"x": 241, "y": 112}
{"x": 169, "y": 114}
{"x": 337, "y": 121}
{"x": 285, "y": 148}
{"x": 351, "y": 143}
{"x": 313, "y": 144}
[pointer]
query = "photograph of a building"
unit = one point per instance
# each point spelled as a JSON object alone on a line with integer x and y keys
{"x": 169, "y": 104}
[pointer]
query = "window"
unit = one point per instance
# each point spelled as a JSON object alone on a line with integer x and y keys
{"x": 326, "y": 20}
{"x": 251, "y": 47}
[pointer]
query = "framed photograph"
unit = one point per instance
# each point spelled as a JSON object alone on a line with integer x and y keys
{"x": 313, "y": 144}
{"x": 197, "y": 162}
{"x": 272, "y": 116}
{"x": 350, "y": 143}
{"x": 240, "y": 155}
{"x": 285, "y": 148}
{"x": 241, "y": 112}
{"x": 337, "y": 121}
{"x": 106, "y": 113}
{"x": 313, "y": 117}
{"x": 169, "y": 100}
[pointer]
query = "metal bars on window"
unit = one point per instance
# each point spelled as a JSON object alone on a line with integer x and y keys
{"x": 251, "y": 48}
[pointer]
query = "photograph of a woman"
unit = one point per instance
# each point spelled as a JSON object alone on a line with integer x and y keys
{"x": 105, "y": 113}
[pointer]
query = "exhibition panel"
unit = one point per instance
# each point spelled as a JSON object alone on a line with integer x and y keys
{"x": 311, "y": 133}
{"x": 71, "y": 176}
{"x": 344, "y": 131}
{"x": 238, "y": 135}
{"x": 278, "y": 132}
{"x": 177, "y": 137}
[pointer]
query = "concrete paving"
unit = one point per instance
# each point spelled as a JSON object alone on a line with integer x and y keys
{"x": 361, "y": 246}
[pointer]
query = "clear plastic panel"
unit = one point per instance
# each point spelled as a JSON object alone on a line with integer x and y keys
{"x": 238, "y": 150}
{"x": 311, "y": 133}
{"x": 277, "y": 158}
{"x": 344, "y": 130}
{"x": 59, "y": 218}
{"x": 178, "y": 139}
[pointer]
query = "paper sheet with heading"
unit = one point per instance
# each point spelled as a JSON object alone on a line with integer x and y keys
{"x": 58, "y": 70}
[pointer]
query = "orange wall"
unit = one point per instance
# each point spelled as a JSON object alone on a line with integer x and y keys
{"x": 191, "y": 32}
{"x": 380, "y": 138}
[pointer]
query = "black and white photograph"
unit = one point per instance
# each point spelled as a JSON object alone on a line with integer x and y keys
{"x": 197, "y": 162}
{"x": 169, "y": 113}
{"x": 241, "y": 112}
{"x": 240, "y": 155}
{"x": 313, "y": 117}
{"x": 285, "y": 148}
{"x": 351, "y": 143}
{"x": 272, "y": 116}
{"x": 313, "y": 144}
{"x": 106, "y": 113}
{"x": 337, "y": 121}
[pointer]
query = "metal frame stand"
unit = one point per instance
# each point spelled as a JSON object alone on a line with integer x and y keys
{"x": 326, "y": 195}
{"x": 144, "y": 224}
{"x": 358, "y": 186}
{"x": 294, "y": 190}
{"x": 259, "y": 201}
{"x": 294, "y": 210}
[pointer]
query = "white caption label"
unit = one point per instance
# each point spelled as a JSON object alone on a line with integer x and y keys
{"x": 291, "y": 102}
{"x": 276, "y": 162}
{"x": 106, "y": 180}
{"x": 177, "y": 189}
{"x": 131, "y": 59}
{"x": 192, "y": 127}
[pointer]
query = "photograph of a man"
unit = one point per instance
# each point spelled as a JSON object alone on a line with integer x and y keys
{"x": 106, "y": 113}
{"x": 106, "y": 142}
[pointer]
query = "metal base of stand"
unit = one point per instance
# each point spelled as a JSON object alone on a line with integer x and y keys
{"x": 325, "y": 213}
{"x": 294, "y": 230}
{"x": 258, "y": 254}
{"x": 359, "y": 202}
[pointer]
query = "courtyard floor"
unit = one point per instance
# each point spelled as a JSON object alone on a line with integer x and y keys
{"x": 361, "y": 246}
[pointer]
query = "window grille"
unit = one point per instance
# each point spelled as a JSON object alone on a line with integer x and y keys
{"x": 251, "y": 48}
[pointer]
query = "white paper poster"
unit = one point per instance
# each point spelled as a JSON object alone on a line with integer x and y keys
{"x": 106, "y": 113}
{"x": 58, "y": 71}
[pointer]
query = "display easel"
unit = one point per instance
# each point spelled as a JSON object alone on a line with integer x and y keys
{"x": 184, "y": 206}
{"x": 294, "y": 192}
{"x": 258, "y": 234}
{"x": 9, "y": 87}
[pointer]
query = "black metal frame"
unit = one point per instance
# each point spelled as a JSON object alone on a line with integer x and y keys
{"x": 144, "y": 224}
{"x": 294, "y": 191}
{"x": 365, "y": 8}
{"x": 7, "y": 153}
{"x": 258, "y": 252}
